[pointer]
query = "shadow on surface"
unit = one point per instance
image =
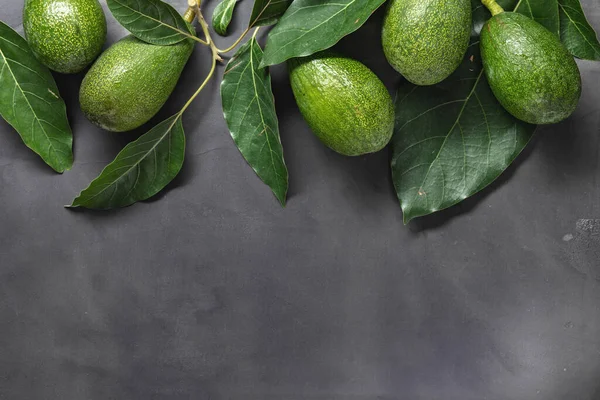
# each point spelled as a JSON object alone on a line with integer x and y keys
{"x": 441, "y": 218}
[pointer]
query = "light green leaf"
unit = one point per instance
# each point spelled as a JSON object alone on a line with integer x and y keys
{"x": 31, "y": 103}
{"x": 249, "y": 110}
{"x": 142, "y": 169}
{"x": 267, "y": 12}
{"x": 543, "y": 11}
{"x": 309, "y": 26}
{"x": 152, "y": 21}
{"x": 222, "y": 16}
{"x": 575, "y": 31}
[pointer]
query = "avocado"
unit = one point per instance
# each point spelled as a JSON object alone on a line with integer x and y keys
{"x": 344, "y": 103}
{"x": 65, "y": 35}
{"x": 529, "y": 70}
{"x": 426, "y": 40}
{"x": 131, "y": 81}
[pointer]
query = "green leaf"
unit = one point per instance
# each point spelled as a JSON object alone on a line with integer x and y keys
{"x": 543, "y": 11}
{"x": 453, "y": 139}
{"x": 152, "y": 21}
{"x": 30, "y": 102}
{"x": 249, "y": 110}
{"x": 142, "y": 169}
{"x": 309, "y": 26}
{"x": 267, "y": 12}
{"x": 222, "y": 16}
{"x": 575, "y": 31}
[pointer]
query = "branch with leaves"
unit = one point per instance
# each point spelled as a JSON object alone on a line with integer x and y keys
{"x": 470, "y": 123}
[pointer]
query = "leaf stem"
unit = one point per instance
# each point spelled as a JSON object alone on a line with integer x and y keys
{"x": 210, "y": 74}
{"x": 227, "y": 50}
{"x": 215, "y": 52}
{"x": 494, "y": 7}
{"x": 517, "y": 6}
{"x": 189, "y": 16}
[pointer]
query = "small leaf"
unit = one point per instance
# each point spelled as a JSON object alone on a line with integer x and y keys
{"x": 30, "y": 102}
{"x": 309, "y": 26}
{"x": 249, "y": 110}
{"x": 222, "y": 16}
{"x": 543, "y": 11}
{"x": 267, "y": 12}
{"x": 575, "y": 31}
{"x": 452, "y": 139}
{"x": 142, "y": 169}
{"x": 152, "y": 21}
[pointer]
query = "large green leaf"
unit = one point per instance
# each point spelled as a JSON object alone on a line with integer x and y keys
{"x": 309, "y": 26}
{"x": 267, "y": 12}
{"x": 222, "y": 16}
{"x": 142, "y": 169}
{"x": 30, "y": 102}
{"x": 543, "y": 11}
{"x": 152, "y": 21}
{"x": 249, "y": 110}
{"x": 453, "y": 139}
{"x": 575, "y": 31}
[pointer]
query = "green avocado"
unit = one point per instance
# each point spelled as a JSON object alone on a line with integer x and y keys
{"x": 529, "y": 70}
{"x": 131, "y": 81}
{"x": 65, "y": 35}
{"x": 344, "y": 103}
{"x": 426, "y": 40}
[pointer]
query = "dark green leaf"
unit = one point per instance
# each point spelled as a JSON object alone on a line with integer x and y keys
{"x": 267, "y": 12}
{"x": 222, "y": 16}
{"x": 30, "y": 102}
{"x": 249, "y": 110}
{"x": 543, "y": 11}
{"x": 309, "y": 26}
{"x": 142, "y": 169}
{"x": 575, "y": 31}
{"x": 152, "y": 21}
{"x": 453, "y": 139}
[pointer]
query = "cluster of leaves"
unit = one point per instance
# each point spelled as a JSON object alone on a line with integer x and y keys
{"x": 451, "y": 140}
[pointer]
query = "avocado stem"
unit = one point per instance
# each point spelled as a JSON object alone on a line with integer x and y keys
{"x": 189, "y": 14}
{"x": 494, "y": 7}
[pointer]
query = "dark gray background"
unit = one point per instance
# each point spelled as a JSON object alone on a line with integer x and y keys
{"x": 213, "y": 291}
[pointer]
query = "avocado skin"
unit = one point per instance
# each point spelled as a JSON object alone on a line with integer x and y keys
{"x": 131, "y": 81}
{"x": 529, "y": 70}
{"x": 345, "y": 104}
{"x": 426, "y": 40}
{"x": 65, "y": 35}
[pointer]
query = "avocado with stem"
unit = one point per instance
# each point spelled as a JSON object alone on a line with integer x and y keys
{"x": 529, "y": 70}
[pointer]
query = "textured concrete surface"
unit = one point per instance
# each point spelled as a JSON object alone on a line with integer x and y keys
{"x": 213, "y": 291}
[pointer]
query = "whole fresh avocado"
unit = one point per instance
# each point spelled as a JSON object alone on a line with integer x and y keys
{"x": 131, "y": 81}
{"x": 344, "y": 103}
{"x": 65, "y": 35}
{"x": 529, "y": 70}
{"x": 426, "y": 40}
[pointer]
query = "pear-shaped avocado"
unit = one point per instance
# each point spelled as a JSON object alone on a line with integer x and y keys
{"x": 344, "y": 103}
{"x": 131, "y": 81}
{"x": 426, "y": 40}
{"x": 529, "y": 70}
{"x": 65, "y": 35}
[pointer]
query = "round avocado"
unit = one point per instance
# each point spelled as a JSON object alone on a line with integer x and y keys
{"x": 529, "y": 70}
{"x": 345, "y": 104}
{"x": 131, "y": 81}
{"x": 65, "y": 35}
{"x": 426, "y": 40}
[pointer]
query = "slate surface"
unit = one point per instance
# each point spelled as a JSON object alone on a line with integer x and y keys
{"x": 213, "y": 291}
